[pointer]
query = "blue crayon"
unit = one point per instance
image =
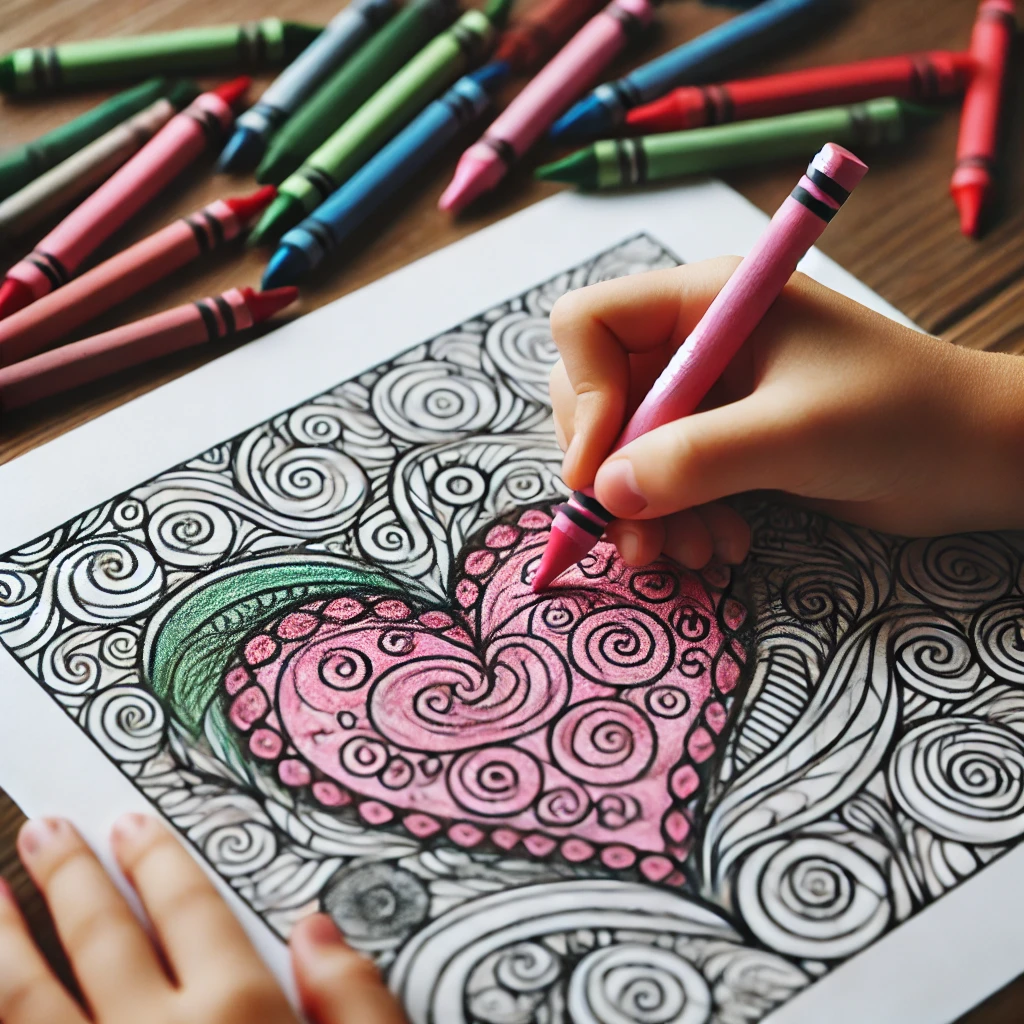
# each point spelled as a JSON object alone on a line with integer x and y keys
{"x": 306, "y": 246}
{"x": 342, "y": 36}
{"x": 602, "y": 111}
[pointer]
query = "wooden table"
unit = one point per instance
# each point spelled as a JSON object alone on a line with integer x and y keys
{"x": 899, "y": 234}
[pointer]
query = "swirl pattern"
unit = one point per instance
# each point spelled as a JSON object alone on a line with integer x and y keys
{"x": 622, "y": 647}
{"x": 962, "y": 778}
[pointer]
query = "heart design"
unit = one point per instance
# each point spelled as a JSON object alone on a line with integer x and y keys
{"x": 577, "y": 718}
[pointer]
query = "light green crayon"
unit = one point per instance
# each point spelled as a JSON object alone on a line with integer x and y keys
{"x": 218, "y": 48}
{"x": 433, "y": 69}
{"x": 612, "y": 163}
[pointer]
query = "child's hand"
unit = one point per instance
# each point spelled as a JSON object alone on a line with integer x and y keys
{"x": 198, "y": 969}
{"x": 871, "y": 421}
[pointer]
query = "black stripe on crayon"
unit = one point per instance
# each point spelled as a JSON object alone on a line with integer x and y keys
{"x": 622, "y": 158}
{"x": 986, "y": 163}
{"x": 631, "y": 24}
{"x": 991, "y": 14}
{"x": 54, "y": 70}
{"x": 503, "y": 149}
{"x": 274, "y": 116}
{"x": 320, "y": 180}
{"x": 209, "y": 320}
{"x": 625, "y": 93}
{"x": 199, "y": 233}
{"x": 206, "y": 120}
{"x": 215, "y": 226}
{"x": 36, "y": 159}
{"x": 815, "y": 205}
{"x": 637, "y": 156}
{"x": 38, "y": 70}
{"x": 582, "y": 521}
{"x": 929, "y": 80}
{"x": 916, "y": 79}
{"x": 592, "y": 505}
{"x": 261, "y": 46}
{"x": 50, "y": 266}
{"x": 721, "y": 108}
{"x": 461, "y": 106}
{"x": 321, "y": 234}
{"x": 469, "y": 42}
{"x": 828, "y": 185}
{"x": 45, "y": 269}
{"x": 227, "y": 314}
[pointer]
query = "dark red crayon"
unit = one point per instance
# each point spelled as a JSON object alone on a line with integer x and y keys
{"x": 978, "y": 143}
{"x": 912, "y": 76}
{"x": 530, "y": 41}
{"x": 81, "y": 362}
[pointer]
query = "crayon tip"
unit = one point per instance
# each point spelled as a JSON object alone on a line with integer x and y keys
{"x": 588, "y": 119}
{"x": 246, "y": 208}
{"x": 264, "y": 305}
{"x": 479, "y": 169}
{"x": 284, "y": 212}
{"x": 656, "y": 116}
{"x": 560, "y": 553}
{"x": 231, "y": 92}
{"x": 13, "y": 296}
{"x": 579, "y": 169}
{"x": 492, "y": 75}
{"x": 242, "y": 153}
{"x": 287, "y": 266}
{"x": 7, "y": 77}
{"x": 969, "y": 201}
{"x": 276, "y": 166}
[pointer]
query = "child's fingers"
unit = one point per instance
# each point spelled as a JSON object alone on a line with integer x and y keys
{"x": 729, "y": 532}
{"x": 112, "y": 957}
{"x": 29, "y": 992}
{"x": 596, "y": 329}
{"x": 744, "y": 446}
{"x": 337, "y": 985}
{"x": 201, "y": 938}
{"x": 563, "y": 405}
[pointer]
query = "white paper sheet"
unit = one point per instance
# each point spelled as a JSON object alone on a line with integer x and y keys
{"x": 922, "y": 971}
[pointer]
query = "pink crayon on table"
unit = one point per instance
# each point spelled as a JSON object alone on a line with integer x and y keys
{"x": 200, "y": 126}
{"x": 56, "y": 315}
{"x": 183, "y": 327}
{"x": 732, "y": 316}
{"x": 566, "y": 77}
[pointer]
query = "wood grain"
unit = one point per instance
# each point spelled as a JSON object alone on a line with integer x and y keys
{"x": 898, "y": 234}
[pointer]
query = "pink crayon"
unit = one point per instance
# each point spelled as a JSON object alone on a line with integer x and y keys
{"x": 566, "y": 77}
{"x": 711, "y": 346}
{"x": 56, "y": 315}
{"x": 181, "y": 141}
{"x": 84, "y": 361}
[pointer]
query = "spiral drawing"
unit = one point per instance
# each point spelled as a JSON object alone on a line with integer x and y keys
{"x": 646, "y": 796}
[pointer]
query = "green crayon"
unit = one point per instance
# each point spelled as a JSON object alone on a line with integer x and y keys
{"x": 352, "y": 84}
{"x": 23, "y": 164}
{"x": 612, "y": 163}
{"x": 392, "y": 106}
{"x": 218, "y": 49}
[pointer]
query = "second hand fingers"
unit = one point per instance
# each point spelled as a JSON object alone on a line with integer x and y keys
{"x": 201, "y": 937}
{"x": 112, "y": 957}
{"x": 29, "y": 991}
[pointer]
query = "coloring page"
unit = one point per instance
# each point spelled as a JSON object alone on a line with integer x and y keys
{"x": 644, "y": 796}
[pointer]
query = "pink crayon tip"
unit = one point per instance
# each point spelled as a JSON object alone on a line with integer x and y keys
{"x": 562, "y": 552}
{"x": 13, "y": 296}
{"x": 247, "y": 208}
{"x": 231, "y": 92}
{"x": 478, "y": 171}
{"x": 264, "y": 305}
{"x": 840, "y": 165}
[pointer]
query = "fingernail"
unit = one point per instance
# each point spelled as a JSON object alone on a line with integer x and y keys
{"x": 322, "y": 931}
{"x": 36, "y": 834}
{"x": 629, "y": 545}
{"x": 130, "y": 826}
{"x": 616, "y": 481}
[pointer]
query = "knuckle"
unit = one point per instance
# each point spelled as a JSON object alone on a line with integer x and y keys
{"x": 187, "y": 902}
{"x": 97, "y": 932}
{"x": 564, "y": 313}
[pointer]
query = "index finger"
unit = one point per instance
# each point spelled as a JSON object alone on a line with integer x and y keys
{"x": 597, "y": 328}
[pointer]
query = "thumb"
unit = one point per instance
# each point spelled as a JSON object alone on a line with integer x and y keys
{"x": 746, "y": 445}
{"x": 336, "y": 984}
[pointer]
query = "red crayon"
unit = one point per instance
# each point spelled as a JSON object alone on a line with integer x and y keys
{"x": 92, "y": 358}
{"x": 914, "y": 76}
{"x": 200, "y": 126}
{"x": 532, "y": 40}
{"x": 56, "y": 315}
{"x": 979, "y": 120}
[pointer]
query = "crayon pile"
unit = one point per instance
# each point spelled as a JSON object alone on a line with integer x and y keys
{"x": 367, "y": 101}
